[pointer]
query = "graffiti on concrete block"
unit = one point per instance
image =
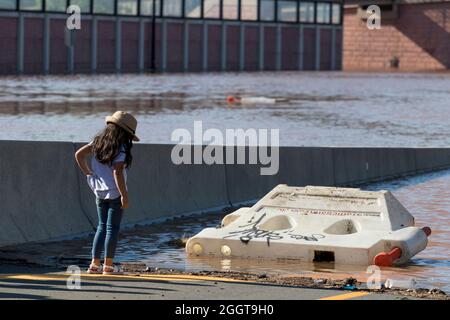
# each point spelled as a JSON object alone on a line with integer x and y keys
{"x": 250, "y": 231}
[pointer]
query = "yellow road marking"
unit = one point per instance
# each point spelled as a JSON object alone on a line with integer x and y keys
{"x": 61, "y": 277}
{"x": 149, "y": 277}
{"x": 32, "y": 277}
{"x": 346, "y": 296}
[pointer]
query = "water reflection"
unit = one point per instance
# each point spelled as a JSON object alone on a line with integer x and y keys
{"x": 319, "y": 108}
{"x": 80, "y": 109}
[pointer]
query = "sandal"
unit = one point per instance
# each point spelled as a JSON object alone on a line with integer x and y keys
{"x": 94, "y": 269}
{"x": 111, "y": 270}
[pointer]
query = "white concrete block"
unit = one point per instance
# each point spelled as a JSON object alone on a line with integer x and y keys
{"x": 344, "y": 225}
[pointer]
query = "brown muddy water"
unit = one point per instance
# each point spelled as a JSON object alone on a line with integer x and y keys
{"x": 427, "y": 197}
{"x": 312, "y": 108}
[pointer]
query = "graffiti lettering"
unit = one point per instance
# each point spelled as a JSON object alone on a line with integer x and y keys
{"x": 313, "y": 237}
{"x": 251, "y": 231}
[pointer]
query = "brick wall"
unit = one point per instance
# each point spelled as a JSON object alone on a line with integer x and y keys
{"x": 419, "y": 37}
{"x": 277, "y": 46}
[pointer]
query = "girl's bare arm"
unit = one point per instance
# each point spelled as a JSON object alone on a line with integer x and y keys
{"x": 120, "y": 183}
{"x": 80, "y": 157}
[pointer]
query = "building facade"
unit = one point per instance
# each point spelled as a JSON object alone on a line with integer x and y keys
{"x": 123, "y": 36}
{"x": 414, "y": 36}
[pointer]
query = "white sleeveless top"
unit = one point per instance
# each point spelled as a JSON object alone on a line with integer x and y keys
{"x": 102, "y": 180}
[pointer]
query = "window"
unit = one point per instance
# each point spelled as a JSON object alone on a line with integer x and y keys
{"x": 56, "y": 5}
{"x": 336, "y": 17}
{"x": 172, "y": 8}
{"x": 307, "y": 12}
{"x": 8, "y": 4}
{"x": 147, "y": 7}
{"x": 127, "y": 7}
{"x": 85, "y": 5}
{"x": 230, "y": 9}
{"x": 249, "y": 9}
{"x": 193, "y": 8}
{"x": 34, "y": 5}
{"x": 323, "y": 12}
{"x": 267, "y": 10}
{"x": 211, "y": 9}
{"x": 287, "y": 11}
{"x": 104, "y": 6}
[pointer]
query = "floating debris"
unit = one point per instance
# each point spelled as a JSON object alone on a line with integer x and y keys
{"x": 351, "y": 281}
{"x": 437, "y": 291}
{"x": 320, "y": 281}
{"x": 354, "y": 225}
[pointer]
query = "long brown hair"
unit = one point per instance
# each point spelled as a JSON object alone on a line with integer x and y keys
{"x": 108, "y": 143}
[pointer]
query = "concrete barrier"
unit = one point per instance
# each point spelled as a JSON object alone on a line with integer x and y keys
{"x": 397, "y": 162}
{"x": 297, "y": 166}
{"x": 158, "y": 188}
{"x": 45, "y": 196}
{"x": 349, "y": 165}
{"x": 360, "y": 165}
{"x": 432, "y": 158}
{"x": 39, "y": 192}
{"x": 87, "y": 198}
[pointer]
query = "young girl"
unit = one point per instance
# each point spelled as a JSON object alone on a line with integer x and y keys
{"x": 111, "y": 157}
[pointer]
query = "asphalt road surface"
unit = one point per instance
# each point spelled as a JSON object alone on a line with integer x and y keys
{"x": 37, "y": 283}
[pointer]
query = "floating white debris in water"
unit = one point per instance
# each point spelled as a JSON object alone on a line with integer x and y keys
{"x": 317, "y": 224}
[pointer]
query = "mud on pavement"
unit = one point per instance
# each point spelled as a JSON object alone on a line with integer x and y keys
{"x": 137, "y": 269}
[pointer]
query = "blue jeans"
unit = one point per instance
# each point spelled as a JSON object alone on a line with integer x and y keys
{"x": 109, "y": 217}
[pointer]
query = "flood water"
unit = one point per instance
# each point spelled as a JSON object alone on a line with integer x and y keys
{"x": 312, "y": 108}
{"x": 427, "y": 197}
